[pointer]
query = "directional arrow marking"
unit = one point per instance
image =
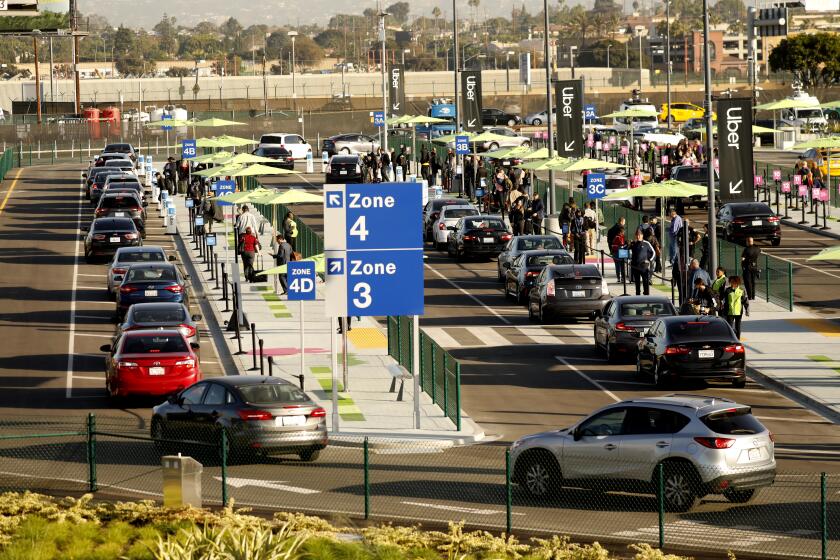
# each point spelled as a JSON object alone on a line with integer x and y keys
{"x": 335, "y": 266}
{"x": 334, "y": 200}
{"x": 272, "y": 485}
{"x": 569, "y": 146}
{"x": 471, "y": 122}
{"x": 736, "y": 188}
{"x": 395, "y": 106}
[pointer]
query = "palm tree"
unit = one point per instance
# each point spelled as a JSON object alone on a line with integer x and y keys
{"x": 436, "y": 14}
{"x": 474, "y": 5}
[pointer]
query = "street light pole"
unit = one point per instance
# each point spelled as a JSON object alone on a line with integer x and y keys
{"x": 668, "y": 61}
{"x": 549, "y": 116}
{"x": 507, "y": 69}
{"x": 384, "y": 143}
{"x": 572, "y": 50}
{"x": 293, "y": 34}
{"x": 640, "y": 60}
{"x": 265, "y": 88}
{"x": 710, "y": 154}
{"x": 608, "y": 54}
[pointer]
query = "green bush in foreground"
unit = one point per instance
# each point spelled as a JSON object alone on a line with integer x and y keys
{"x": 37, "y": 527}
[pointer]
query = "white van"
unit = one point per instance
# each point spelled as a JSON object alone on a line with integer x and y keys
{"x": 811, "y": 119}
{"x": 292, "y": 142}
{"x": 637, "y": 102}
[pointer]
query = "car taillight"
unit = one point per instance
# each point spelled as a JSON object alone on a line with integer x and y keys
{"x": 187, "y": 330}
{"x": 252, "y": 415}
{"x": 771, "y": 436}
{"x": 531, "y": 274}
{"x": 188, "y": 362}
{"x": 98, "y": 237}
{"x": 623, "y": 327}
{"x": 715, "y": 442}
{"x": 122, "y": 365}
{"x": 738, "y": 221}
{"x": 469, "y": 238}
{"x": 677, "y": 350}
{"x": 441, "y": 226}
{"x": 329, "y": 168}
{"x": 119, "y": 270}
{"x": 735, "y": 348}
{"x": 773, "y": 219}
{"x": 100, "y": 211}
{"x": 549, "y": 289}
{"x": 358, "y": 169}
{"x": 505, "y": 237}
{"x": 131, "y": 236}
{"x": 176, "y": 289}
{"x": 128, "y": 289}
{"x": 318, "y": 413}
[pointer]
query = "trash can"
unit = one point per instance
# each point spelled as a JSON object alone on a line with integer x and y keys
{"x": 181, "y": 481}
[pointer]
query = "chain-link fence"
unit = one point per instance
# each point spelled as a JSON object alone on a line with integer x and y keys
{"x": 7, "y": 161}
{"x": 588, "y": 488}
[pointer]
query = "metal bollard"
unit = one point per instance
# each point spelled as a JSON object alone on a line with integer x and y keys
{"x": 300, "y": 380}
{"x": 262, "y": 362}
{"x": 215, "y": 273}
{"x": 270, "y": 366}
{"x": 254, "y": 367}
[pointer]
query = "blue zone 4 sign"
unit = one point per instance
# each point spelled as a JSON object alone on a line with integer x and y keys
{"x": 596, "y": 185}
{"x": 301, "y": 280}
{"x": 373, "y": 249}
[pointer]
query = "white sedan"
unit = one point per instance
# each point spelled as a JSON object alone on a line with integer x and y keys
{"x": 511, "y": 140}
{"x": 541, "y": 118}
{"x": 449, "y": 216}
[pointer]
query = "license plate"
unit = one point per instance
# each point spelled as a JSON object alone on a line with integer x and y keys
{"x": 290, "y": 420}
{"x": 342, "y": 172}
{"x": 115, "y": 240}
{"x": 150, "y": 293}
{"x": 705, "y": 354}
{"x": 757, "y": 222}
{"x": 488, "y": 240}
{"x": 578, "y": 293}
{"x": 119, "y": 214}
{"x": 156, "y": 371}
{"x": 754, "y": 454}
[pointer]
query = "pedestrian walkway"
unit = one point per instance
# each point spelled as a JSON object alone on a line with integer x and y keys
{"x": 367, "y": 405}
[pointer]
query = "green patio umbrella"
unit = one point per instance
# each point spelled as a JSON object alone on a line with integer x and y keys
{"x": 414, "y": 122}
{"x": 502, "y": 153}
{"x": 630, "y": 114}
{"x": 168, "y": 122}
{"x": 214, "y": 122}
{"x": 826, "y": 143}
{"x": 762, "y": 129}
{"x": 447, "y": 138}
{"x": 539, "y": 153}
{"x": 220, "y": 171}
{"x": 214, "y": 158}
{"x": 831, "y": 105}
{"x": 786, "y": 104}
{"x": 828, "y": 254}
{"x": 487, "y": 137}
{"x": 208, "y": 143}
{"x": 245, "y": 159}
{"x": 240, "y": 197}
{"x": 260, "y": 169}
{"x": 317, "y": 259}
{"x": 226, "y": 141}
{"x": 293, "y": 196}
{"x": 398, "y": 120}
{"x": 543, "y": 164}
{"x": 585, "y": 164}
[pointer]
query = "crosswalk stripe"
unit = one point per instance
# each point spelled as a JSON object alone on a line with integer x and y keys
{"x": 441, "y": 337}
{"x": 541, "y": 336}
{"x": 491, "y": 337}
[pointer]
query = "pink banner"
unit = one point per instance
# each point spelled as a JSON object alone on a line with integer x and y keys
{"x": 797, "y": 179}
{"x": 625, "y": 150}
{"x": 599, "y": 145}
{"x": 589, "y": 143}
{"x": 815, "y": 193}
{"x": 664, "y": 160}
{"x": 785, "y": 186}
{"x": 823, "y": 195}
{"x": 612, "y": 140}
{"x": 759, "y": 180}
{"x": 777, "y": 174}
{"x": 803, "y": 191}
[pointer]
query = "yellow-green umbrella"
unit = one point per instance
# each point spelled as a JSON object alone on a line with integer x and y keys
{"x": 819, "y": 143}
{"x": 239, "y": 197}
{"x": 293, "y": 196}
{"x": 543, "y": 164}
{"x": 487, "y": 137}
{"x": 447, "y": 138}
{"x": 218, "y": 171}
{"x": 168, "y": 122}
{"x": 423, "y": 119}
{"x": 317, "y": 259}
{"x": 233, "y": 141}
{"x": 829, "y": 254}
{"x": 245, "y": 159}
{"x": 585, "y": 164}
{"x": 398, "y": 120}
{"x": 665, "y": 189}
{"x": 218, "y": 157}
{"x": 831, "y": 105}
{"x": 787, "y": 104}
{"x": 539, "y": 153}
{"x": 631, "y": 114}
{"x": 214, "y": 122}
{"x": 260, "y": 169}
{"x": 208, "y": 143}
{"x": 516, "y": 151}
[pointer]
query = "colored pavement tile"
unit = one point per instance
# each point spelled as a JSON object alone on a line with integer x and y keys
{"x": 824, "y": 327}
{"x": 367, "y": 338}
{"x": 825, "y": 360}
{"x": 347, "y": 409}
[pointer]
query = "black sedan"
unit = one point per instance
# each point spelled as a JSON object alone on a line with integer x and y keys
{"x": 169, "y": 315}
{"x": 521, "y": 243}
{"x": 521, "y": 274}
{"x": 491, "y": 117}
{"x": 123, "y": 205}
{"x": 624, "y": 320}
{"x": 282, "y": 157}
{"x": 567, "y": 290}
{"x": 346, "y": 169}
{"x": 477, "y": 235}
{"x": 738, "y": 220}
{"x": 106, "y": 235}
{"x": 259, "y": 414}
{"x": 691, "y": 347}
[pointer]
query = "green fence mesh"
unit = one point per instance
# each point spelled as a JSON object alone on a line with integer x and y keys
{"x": 7, "y": 161}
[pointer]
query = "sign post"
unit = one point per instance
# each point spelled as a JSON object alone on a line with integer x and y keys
{"x": 569, "y": 100}
{"x": 471, "y": 99}
{"x": 396, "y": 93}
{"x": 372, "y": 268}
{"x": 301, "y": 280}
{"x": 462, "y": 145}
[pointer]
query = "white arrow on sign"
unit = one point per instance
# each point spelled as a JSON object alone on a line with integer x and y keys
{"x": 395, "y": 107}
{"x": 471, "y": 122}
{"x": 271, "y": 485}
{"x": 335, "y": 199}
{"x": 335, "y": 267}
{"x": 736, "y": 188}
{"x": 569, "y": 146}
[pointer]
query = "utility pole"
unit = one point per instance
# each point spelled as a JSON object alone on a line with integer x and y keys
{"x": 35, "y": 41}
{"x": 52, "y": 84}
{"x": 265, "y": 88}
{"x": 640, "y": 61}
{"x": 384, "y": 143}
{"x": 549, "y": 115}
{"x": 74, "y": 27}
{"x": 668, "y": 61}
{"x": 710, "y": 154}
{"x": 455, "y": 62}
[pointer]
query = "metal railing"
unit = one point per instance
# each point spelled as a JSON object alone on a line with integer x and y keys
{"x": 7, "y": 162}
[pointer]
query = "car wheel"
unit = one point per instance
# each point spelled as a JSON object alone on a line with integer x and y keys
{"x": 499, "y": 276}
{"x": 776, "y": 241}
{"x": 88, "y": 258}
{"x": 639, "y": 372}
{"x": 520, "y": 299}
{"x": 530, "y": 312}
{"x": 536, "y": 122}
{"x": 739, "y": 383}
{"x": 493, "y": 146}
{"x": 526, "y": 144}
{"x": 541, "y": 475}
{"x": 511, "y": 123}
{"x": 449, "y": 249}
{"x": 679, "y": 487}
{"x": 739, "y": 496}
{"x": 309, "y": 455}
{"x": 345, "y": 150}
{"x": 438, "y": 245}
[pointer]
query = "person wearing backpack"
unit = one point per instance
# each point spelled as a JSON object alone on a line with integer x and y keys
{"x": 736, "y": 304}
{"x": 641, "y": 255}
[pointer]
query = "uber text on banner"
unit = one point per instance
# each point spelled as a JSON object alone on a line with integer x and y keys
{"x": 735, "y": 150}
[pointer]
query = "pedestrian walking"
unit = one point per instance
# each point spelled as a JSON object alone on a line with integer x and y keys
{"x": 537, "y": 214}
{"x": 590, "y": 218}
{"x": 719, "y": 285}
{"x": 618, "y": 244}
{"x": 577, "y": 231}
{"x": 170, "y": 174}
{"x": 290, "y": 230}
{"x": 673, "y": 233}
{"x": 517, "y": 218}
{"x": 183, "y": 173}
{"x": 281, "y": 257}
{"x": 641, "y": 256}
{"x": 736, "y": 304}
{"x": 385, "y": 159}
{"x": 749, "y": 266}
{"x": 248, "y": 247}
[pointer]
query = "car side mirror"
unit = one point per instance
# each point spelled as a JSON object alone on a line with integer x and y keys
{"x": 195, "y": 345}
{"x": 506, "y": 265}
{"x": 173, "y": 399}
{"x": 172, "y": 258}
{"x": 105, "y": 348}
{"x": 576, "y": 434}
{"x": 84, "y": 175}
{"x": 196, "y": 317}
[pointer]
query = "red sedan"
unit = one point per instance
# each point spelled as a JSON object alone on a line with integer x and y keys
{"x": 150, "y": 362}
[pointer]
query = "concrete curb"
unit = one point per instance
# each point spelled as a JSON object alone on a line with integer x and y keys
{"x": 824, "y": 233}
{"x": 795, "y": 394}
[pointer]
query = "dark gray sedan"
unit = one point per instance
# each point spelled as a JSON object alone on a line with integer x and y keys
{"x": 624, "y": 320}
{"x": 260, "y": 415}
{"x": 166, "y": 315}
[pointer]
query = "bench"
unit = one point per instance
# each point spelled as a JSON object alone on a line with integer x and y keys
{"x": 398, "y": 372}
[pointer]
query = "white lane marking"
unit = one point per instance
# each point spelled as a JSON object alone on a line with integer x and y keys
{"x": 802, "y": 420}
{"x": 541, "y": 336}
{"x": 94, "y": 275}
{"x": 606, "y": 391}
{"x": 469, "y": 295}
{"x": 441, "y": 337}
{"x": 272, "y": 485}
{"x": 459, "y": 509}
{"x": 86, "y": 302}
{"x": 492, "y": 338}
{"x": 91, "y": 378}
{"x": 90, "y": 287}
{"x": 94, "y": 335}
{"x": 208, "y": 362}
{"x": 624, "y": 382}
{"x": 808, "y": 451}
{"x": 807, "y": 266}
{"x": 71, "y": 339}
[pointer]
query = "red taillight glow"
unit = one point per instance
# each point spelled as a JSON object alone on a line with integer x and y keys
{"x": 469, "y": 238}
{"x": 189, "y": 362}
{"x": 126, "y": 365}
{"x": 318, "y": 413}
{"x": 531, "y": 274}
{"x": 176, "y": 289}
{"x": 715, "y": 443}
{"x": 735, "y": 348}
{"x": 100, "y": 211}
{"x": 773, "y": 219}
{"x": 441, "y": 226}
{"x": 549, "y": 289}
{"x": 738, "y": 221}
{"x": 131, "y": 236}
{"x": 187, "y": 331}
{"x": 98, "y": 237}
{"x": 120, "y": 270}
{"x": 623, "y": 327}
{"x": 677, "y": 350}
{"x": 255, "y": 415}
{"x": 771, "y": 436}
{"x": 128, "y": 289}
{"x": 505, "y": 237}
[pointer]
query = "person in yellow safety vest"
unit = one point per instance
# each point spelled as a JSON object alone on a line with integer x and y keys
{"x": 736, "y": 304}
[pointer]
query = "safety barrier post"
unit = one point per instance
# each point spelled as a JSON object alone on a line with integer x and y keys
{"x": 767, "y": 276}
{"x": 262, "y": 359}
{"x": 660, "y": 495}
{"x": 367, "y": 478}
{"x": 508, "y": 495}
{"x": 458, "y": 396}
{"x": 91, "y": 451}
{"x": 434, "y": 368}
{"x": 445, "y": 392}
{"x": 823, "y": 518}
{"x": 254, "y": 366}
{"x": 790, "y": 286}
{"x": 399, "y": 341}
{"x": 224, "y": 459}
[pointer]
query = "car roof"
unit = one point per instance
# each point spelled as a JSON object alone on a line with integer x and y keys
{"x": 705, "y": 404}
{"x": 131, "y": 334}
{"x": 583, "y": 268}
{"x": 537, "y": 252}
{"x": 141, "y": 249}
{"x": 157, "y": 305}
{"x": 113, "y": 221}
{"x": 535, "y": 236}
{"x": 451, "y": 206}
{"x": 687, "y": 318}
{"x": 158, "y": 264}
{"x": 641, "y": 299}
{"x": 240, "y": 380}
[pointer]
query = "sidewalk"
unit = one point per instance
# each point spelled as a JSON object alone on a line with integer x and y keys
{"x": 795, "y": 352}
{"x": 367, "y": 408}
{"x": 832, "y": 221}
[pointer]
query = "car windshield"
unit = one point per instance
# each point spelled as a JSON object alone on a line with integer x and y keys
{"x": 140, "y": 256}
{"x": 168, "y": 314}
{"x": 751, "y": 210}
{"x": 154, "y": 344}
{"x": 438, "y": 204}
{"x": 270, "y": 393}
{"x": 543, "y": 260}
{"x": 685, "y": 331}
{"x": 460, "y": 212}
{"x": 151, "y": 274}
{"x": 539, "y": 243}
{"x": 809, "y": 113}
{"x": 646, "y": 309}
{"x": 270, "y": 139}
{"x": 577, "y": 272}
{"x": 118, "y": 202}
{"x": 122, "y": 148}
{"x": 484, "y": 224}
{"x": 346, "y": 159}
{"x": 691, "y": 174}
{"x": 272, "y": 151}
{"x": 733, "y": 421}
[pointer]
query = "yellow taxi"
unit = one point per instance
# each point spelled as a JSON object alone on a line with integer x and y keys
{"x": 821, "y": 157}
{"x": 681, "y": 112}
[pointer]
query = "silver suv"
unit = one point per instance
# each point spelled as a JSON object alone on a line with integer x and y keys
{"x": 706, "y": 445}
